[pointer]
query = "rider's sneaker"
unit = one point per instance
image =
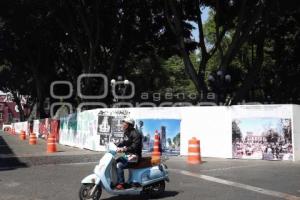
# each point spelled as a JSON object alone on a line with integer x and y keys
{"x": 120, "y": 186}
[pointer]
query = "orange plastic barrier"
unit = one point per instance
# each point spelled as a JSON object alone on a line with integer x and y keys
{"x": 32, "y": 139}
{"x": 51, "y": 144}
{"x": 156, "y": 148}
{"x": 194, "y": 155}
{"x": 22, "y": 135}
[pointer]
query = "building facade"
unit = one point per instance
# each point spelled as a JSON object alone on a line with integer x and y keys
{"x": 9, "y": 111}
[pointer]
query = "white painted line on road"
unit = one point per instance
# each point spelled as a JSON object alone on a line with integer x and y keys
{"x": 228, "y": 168}
{"x": 238, "y": 185}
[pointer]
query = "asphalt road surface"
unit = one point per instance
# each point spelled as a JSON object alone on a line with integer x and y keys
{"x": 54, "y": 178}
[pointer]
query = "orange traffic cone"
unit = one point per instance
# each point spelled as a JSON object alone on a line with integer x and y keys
{"x": 32, "y": 139}
{"x": 22, "y": 135}
{"x": 156, "y": 149}
{"x": 194, "y": 156}
{"x": 51, "y": 145}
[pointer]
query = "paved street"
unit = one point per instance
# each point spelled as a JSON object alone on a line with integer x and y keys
{"x": 27, "y": 172}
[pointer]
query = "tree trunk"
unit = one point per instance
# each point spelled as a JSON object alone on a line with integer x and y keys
{"x": 20, "y": 108}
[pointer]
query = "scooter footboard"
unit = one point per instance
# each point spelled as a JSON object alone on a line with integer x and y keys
{"x": 90, "y": 179}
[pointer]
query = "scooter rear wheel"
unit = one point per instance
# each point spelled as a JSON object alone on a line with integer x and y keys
{"x": 85, "y": 189}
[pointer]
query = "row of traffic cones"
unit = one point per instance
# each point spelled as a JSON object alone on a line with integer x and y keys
{"x": 194, "y": 151}
{"x": 51, "y": 142}
{"x": 32, "y": 137}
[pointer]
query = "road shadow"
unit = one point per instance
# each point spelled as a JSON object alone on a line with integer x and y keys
{"x": 166, "y": 194}
{"x": 8, "y": 160}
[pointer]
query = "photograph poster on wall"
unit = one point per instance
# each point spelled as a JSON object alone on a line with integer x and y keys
{"x": 110, "y": 126}
{"x": 167, "y": 129}
{"x": 262, "y": 138}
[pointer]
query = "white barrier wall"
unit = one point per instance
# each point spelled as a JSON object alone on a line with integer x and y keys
{"x": 155, "y": 113}
{"x": 21, "y": 126}
{"x": 36, "y": 126}
{"x": 244, "y": 131}
{"x": 212, "y": 126}
{"x": 80, "y": 130}
{"x": 68, "y": 131}
{"x": 6, "y": 126}
{"x": 296, "y": 132}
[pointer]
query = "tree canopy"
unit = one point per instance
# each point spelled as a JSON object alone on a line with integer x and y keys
{"x": 151, "y": 44}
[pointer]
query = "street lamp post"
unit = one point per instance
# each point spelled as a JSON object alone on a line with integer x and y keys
{"x": 120, "y": 90}
{"x": 219, "y": 83}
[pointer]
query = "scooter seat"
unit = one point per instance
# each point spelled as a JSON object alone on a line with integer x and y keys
{"x": 145, "y": 162}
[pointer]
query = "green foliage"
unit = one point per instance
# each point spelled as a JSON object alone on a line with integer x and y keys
{"x": 43, "y": 41}
{"x": 178, "y": 79}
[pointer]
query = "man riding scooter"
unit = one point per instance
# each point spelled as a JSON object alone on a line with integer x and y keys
{"x": 145, "y": 176}
{"x": 132, "y": 147}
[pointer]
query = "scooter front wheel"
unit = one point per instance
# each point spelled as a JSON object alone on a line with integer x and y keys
{"x": 85, "y": 192}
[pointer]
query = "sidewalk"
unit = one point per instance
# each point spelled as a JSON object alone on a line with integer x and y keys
{"x": 17, "y": 153}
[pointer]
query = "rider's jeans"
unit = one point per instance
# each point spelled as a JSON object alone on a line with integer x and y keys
{"x": 122, "y": 164}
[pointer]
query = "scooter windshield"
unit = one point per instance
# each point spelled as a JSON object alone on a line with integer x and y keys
{"x": 112, "y": 147}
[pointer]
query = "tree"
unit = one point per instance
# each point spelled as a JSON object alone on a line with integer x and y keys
{"x": 268, "y": 58}
{"x": 125, "y": 38}
{"x": 149, "y": 43}
{"x": 279, "y": 75}
{"x": 12, "y": 82}
{"x": 28, "y": 49}
{"x": 59, "y": 40}
{"x": 241, "y": 18}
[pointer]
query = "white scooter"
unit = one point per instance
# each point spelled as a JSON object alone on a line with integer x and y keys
{"x": 144, "y": 178}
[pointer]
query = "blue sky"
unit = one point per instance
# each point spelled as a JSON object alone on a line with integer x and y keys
{"x": 172, "y": 126}
{"x": 204, "y": 17}
{"x": 259, "y": 125}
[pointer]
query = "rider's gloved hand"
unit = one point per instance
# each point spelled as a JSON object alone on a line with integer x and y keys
{"x": 120, "y": 150}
